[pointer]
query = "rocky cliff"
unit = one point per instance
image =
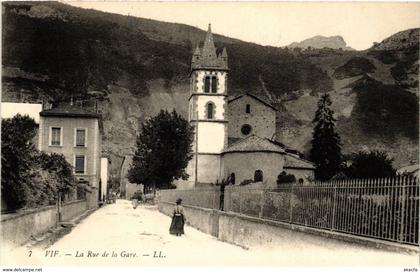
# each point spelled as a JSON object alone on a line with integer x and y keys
{"x": 319, "y": 42}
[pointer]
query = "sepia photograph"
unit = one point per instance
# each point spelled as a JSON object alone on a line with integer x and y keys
{"x": 211, "y": 134}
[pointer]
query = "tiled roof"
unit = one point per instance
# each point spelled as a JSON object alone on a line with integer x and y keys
{"x": 292, "y": 161}
{"x": 254, "y": 143}
{"x": 255, "y": 97}
{"x": 67, "y": 110}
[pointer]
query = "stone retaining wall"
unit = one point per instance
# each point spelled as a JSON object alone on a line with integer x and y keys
{"x": 17, "y": 229}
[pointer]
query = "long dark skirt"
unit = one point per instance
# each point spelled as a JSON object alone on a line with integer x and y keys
{"x": 177, "y": 225}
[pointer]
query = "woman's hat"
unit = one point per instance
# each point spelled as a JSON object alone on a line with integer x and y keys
{"x": 179, "y": 200}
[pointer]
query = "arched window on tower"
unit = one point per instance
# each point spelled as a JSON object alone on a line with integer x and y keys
{"x": 258, "y": 176}
{"x": 207, "y": 84}
{"x": 214, "y": 84}
{"x": 210, "y": 110}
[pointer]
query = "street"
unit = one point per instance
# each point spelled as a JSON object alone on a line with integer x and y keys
{"x": 119, "y": 235}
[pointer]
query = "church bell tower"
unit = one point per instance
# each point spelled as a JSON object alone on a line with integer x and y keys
{"x": 208, "y": 111}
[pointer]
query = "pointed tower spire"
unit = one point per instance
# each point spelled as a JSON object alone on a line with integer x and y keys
{"x": 197, "y": 51}
{"x": 224, "y": 53}
{"x": 209, "y": 50}
{"x": 224, "y": 56}
{"x": 206, "y": 58}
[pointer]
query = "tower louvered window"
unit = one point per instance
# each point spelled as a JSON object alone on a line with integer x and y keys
{"x": 207, "y": 84}
{"x": 214, "y": 84}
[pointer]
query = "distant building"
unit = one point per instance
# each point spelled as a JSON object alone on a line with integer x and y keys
{"x": 128, "y": 189}
{"x": 410, "y": 170}
{"x": 233, "y": 137}
{"x": 104, "y": 178}
{"x": 9, "y": 110}
{"x": 77, "y": 134}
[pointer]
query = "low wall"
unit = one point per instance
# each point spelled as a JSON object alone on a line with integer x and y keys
{"x": 17, "y": 229}
{"x": 72, "y": 209}
{"x": 205, "y": 220}
{"x": 249, "y": 231}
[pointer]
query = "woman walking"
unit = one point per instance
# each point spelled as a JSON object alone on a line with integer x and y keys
{"x": 178, "y": 219}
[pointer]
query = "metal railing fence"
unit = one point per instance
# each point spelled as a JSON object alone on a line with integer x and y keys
{"x": 382, "y": 208}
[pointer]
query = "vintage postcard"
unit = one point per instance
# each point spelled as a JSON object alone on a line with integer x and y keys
{"x": 166, "y": 134}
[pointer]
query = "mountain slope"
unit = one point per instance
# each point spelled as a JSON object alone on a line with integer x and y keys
{"x": 134, "y": 67}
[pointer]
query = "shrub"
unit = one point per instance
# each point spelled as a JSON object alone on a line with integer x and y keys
{"x": 246, "y": 182}
{"x": 285, "y": 178}
{"x": 374, "y": 164}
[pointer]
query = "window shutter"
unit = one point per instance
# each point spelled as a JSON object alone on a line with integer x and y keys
{"x": 80, "y": 137}
{"x": 80, "y": 165}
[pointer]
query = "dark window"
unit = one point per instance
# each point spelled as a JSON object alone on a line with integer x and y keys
{"x": 80, "y": 137}
{"x": 258, "y": 176}
{"x": 210, "y": 107}
{"x": 248, "y": 108}
{"x": 246, "y": 129}
{"x": 207, "y": 84}
{"x": 80, "y": 165}
{"x": 232, "y": 178}
{"x": 214, "y": 84}
{"x": 55, "y": 136}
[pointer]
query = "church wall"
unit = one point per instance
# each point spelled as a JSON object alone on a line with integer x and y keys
{"x": 208, "y": 168}
{"x": 211, "y": 137}
{"x": 244, "y": 165}
{"x": 262, "y": 118}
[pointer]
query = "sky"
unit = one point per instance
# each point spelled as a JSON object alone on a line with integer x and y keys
{"x": 279, "y": 23}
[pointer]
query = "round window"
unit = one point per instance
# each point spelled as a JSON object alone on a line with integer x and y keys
{"x": 246, "y": 129}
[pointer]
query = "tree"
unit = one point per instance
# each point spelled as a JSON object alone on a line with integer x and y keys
{"x": 164, "y": 148}
{"x": 326, "y": 146}
{"x": 374, "y": 164}
{"x": 60, "y": 171}
{"x": 30, "y": 178}
{"x": 18, "y": 155}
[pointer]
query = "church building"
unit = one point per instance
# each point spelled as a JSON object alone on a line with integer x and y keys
{"x": 233, "y": 136}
